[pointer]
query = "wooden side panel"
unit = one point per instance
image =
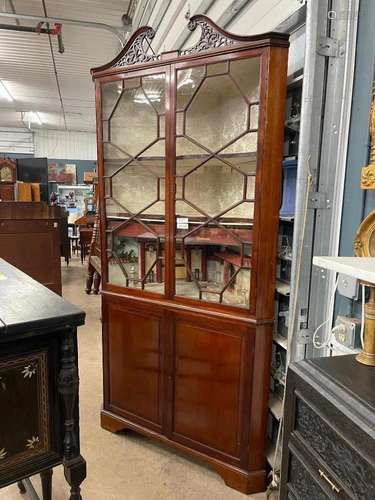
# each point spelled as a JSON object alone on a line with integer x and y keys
{"x": 34, "y": 247}
{"x": 135, "y": 362}
{"x": 209, "y": 372}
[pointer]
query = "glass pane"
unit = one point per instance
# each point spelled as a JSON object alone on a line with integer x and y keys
{"x": 217, "y": 69}
{"x": 134, "y": 177}
{"x": 218, "y": 102}
{"x": 246, "y": 72}
{"x": 215, "y": 181}
{"x": 188, "y": 81}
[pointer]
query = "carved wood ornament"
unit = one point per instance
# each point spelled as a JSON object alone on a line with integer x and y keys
{"x": 368, "y": 172}
{"x": 138, "y": 49}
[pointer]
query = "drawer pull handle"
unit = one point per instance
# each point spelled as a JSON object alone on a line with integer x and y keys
{"x": 326, "y": 478}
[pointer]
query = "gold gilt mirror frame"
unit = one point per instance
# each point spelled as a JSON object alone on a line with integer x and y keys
{"x": 364, "y": 246}
{"x": 364, "y": 243}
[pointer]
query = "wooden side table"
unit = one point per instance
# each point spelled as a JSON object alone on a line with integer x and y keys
{"x": 39, "y": 417}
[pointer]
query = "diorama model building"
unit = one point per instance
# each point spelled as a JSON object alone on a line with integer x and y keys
{"x": 189, "y": 154}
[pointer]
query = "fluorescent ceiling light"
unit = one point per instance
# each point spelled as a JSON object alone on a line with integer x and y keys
{"x": 33, "y": 117}
{"x": 4, "y": 92}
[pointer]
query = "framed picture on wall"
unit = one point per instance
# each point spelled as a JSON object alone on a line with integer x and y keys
{"x": 63, "y": 173}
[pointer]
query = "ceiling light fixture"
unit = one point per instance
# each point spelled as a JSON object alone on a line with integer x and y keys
{"x": 32, "y": 117}
{"x": 4, "y": 92}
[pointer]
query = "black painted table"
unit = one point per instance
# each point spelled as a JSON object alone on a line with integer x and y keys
{"x": 39, "y": 416}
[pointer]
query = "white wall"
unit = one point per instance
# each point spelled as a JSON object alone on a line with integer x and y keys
{"x": 65, "y": 145}
{"x": 16, "y": 140}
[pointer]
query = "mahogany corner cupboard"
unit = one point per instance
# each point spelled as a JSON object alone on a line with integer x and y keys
{"x": 189, "y": 155}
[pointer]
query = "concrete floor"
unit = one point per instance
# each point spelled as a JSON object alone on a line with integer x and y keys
{"x": 122, "y": 466}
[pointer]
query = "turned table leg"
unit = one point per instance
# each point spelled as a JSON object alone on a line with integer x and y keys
{"x": 90, "y": 278}
{"x": 97, "y": 280}
{"x": 46, "y": 478}
{"x": 74, "y": 464}
{"x": 21, "y": 487}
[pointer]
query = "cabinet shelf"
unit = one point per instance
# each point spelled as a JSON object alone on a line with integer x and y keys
{"x": 245, "y": 156}
{"x": 280, "y": 340}
{"x": 270, "y": 453}
{"x": 283, "y": 288}
{"x": 275, "y": 405}
{"x": 284, "y": 257}
{"x": 286, "y": 219}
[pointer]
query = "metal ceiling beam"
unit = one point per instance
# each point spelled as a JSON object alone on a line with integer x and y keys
{"x": 161, "y": 13}
{"x": 13, "y": 9}
{"x": 118, "y": 31}
{"x": 178, "y": 7}
{"x": 139, "y": 14}
{"x": 148, "y": 12}
{"x": 231, "y": 12}
{"x": 293, "y": 22}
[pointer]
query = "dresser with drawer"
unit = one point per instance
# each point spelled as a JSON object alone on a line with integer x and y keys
{"x": 329, "y": 431}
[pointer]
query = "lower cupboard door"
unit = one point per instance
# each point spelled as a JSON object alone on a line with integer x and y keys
{"x": 133, "y": 341}
{"x": 212, "y": 363}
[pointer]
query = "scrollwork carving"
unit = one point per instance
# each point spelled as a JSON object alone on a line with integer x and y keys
{"x": 138, "y": 49}
{"x": 368, "y": 172}
{"x": 211, "y": 36}
{"x": 346, "y": 463}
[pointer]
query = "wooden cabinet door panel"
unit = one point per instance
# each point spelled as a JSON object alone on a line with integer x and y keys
{"x": 208, "y": 386}
{"x": 135, "y": 363}
{"x": 34, "y": 247}
{"x": 6, "y": 192}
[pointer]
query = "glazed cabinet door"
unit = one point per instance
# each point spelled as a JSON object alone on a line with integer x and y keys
{"x": 133, "y": 370}
{"x": 133, "y": 176}
{"x": 216, "y": 139}
{"x": 211, "y": 365}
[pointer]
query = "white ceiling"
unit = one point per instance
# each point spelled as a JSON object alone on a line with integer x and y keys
{"x": 26, "y": 67}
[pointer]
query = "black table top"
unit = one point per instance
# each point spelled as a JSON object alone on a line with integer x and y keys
{"x": 342, "y": 376}
{"x": 354, "y": 377}
{"x": 25, "y": 304}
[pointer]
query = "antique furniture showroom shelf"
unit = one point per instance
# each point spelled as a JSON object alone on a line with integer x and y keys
{"x": 189, "y": 156}
{"x": 329, "y": 432}
{"x": 38, "y": 383}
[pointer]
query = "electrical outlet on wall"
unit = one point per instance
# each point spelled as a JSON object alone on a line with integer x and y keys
{"x": 350, "y": 333}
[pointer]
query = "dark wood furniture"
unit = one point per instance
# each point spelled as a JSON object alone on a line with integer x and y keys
{"x": 38, "y": 383}
{"x": 94, "y": 270}
{"x": 64, "y": 233}
{"x": 30, "y": 240}
{"x": 329, "y": 433}
{"x": 189, "y": 155}
{"x": 7, "y": 179}
{"x": 85, "y": 238}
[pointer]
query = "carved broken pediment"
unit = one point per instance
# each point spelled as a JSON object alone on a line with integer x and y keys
{"x": 138, "y": 49}
{"x": 212, "y": 37}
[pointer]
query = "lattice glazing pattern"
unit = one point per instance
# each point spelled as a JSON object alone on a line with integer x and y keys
{"x": 216, "y": 142}
{"x": 133, "y": 113}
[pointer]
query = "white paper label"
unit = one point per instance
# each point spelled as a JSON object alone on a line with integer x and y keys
{"x": 182, "y": 223}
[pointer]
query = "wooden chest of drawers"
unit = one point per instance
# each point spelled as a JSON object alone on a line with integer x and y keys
{"x": 38, "y": 383}
{"x": 329, "y": 434}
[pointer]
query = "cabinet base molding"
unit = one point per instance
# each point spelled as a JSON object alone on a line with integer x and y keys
{"x": 238, "y": 479}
